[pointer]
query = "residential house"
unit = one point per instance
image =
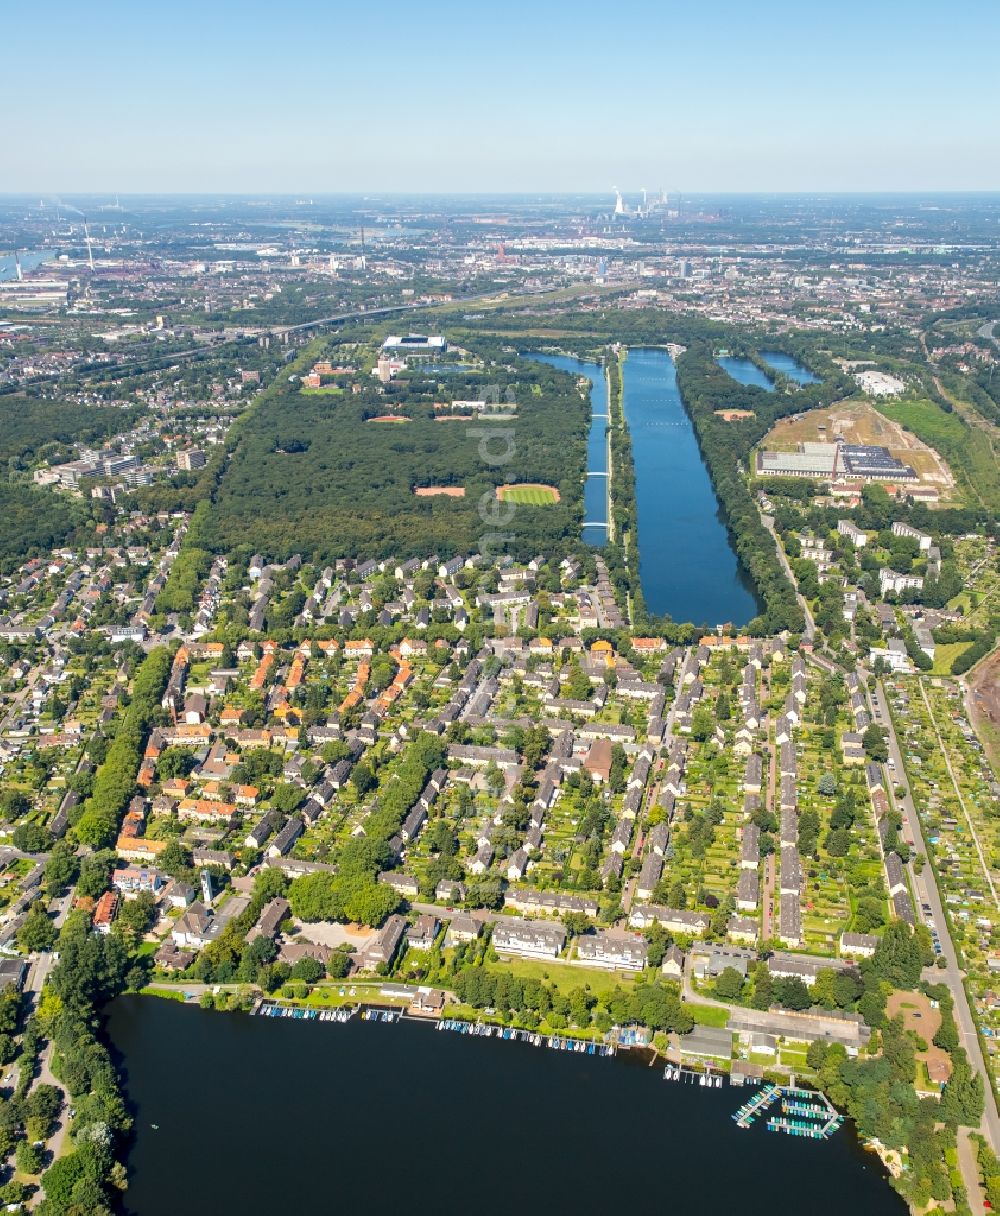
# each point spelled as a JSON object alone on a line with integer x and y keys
{"x": 381, "y": 949}
{"x": 423, "y": 931}
{"x": 528, "y": 938}
{"x": 612, "y": 951}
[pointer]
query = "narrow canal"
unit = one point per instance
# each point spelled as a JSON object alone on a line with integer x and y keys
{"x": 595, "y": 490}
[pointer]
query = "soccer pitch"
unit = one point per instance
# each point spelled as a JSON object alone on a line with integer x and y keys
{"x": 532, "y": 496}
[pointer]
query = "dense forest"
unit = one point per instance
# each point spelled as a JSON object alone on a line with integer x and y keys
{"x": 316, "y": 474}
{"x": 32, "y": 429}
{"x": 33, "y": 520}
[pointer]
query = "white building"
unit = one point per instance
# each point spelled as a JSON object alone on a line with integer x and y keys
{"x": 893, "y": 655}
{"x": 854, "y": 534}
{"x": 418, "y": 346}
{"x": 528, "y": 938}
{"x": 892, "y": 580}
{"x": 879, "y": 384}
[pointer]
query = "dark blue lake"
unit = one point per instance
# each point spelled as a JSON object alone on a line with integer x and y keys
{"x": 745, "y": 371}
{"x": 788, "y": 366}
{"x": 595, "y": 490}
{"x": 687, "y": 566}
{"x": 235, "y": 1114}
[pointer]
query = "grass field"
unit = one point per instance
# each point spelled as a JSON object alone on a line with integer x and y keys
{"x": 529, "y": 495}
{"x": 166, "y": 994}
{"x": 967, "y": 449}
{"x": 564, "y": 976}
{"x": 708, "y": 1015}
{"x": 924, "y": 418}
{"x": 945, "y": 654}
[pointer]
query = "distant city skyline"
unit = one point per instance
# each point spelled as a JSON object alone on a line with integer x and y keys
{"x": 307, "y": 98}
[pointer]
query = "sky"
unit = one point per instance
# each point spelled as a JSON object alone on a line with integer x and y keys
{"x": 318, "y": 96}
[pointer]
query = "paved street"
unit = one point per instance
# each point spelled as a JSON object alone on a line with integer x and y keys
{"x": 969, "y": 1165}
{"x": 770, "y": 871}
{"x": 54, "y": 1144}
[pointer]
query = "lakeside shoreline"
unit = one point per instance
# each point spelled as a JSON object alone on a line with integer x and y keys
{"x": 639, "y": 1060}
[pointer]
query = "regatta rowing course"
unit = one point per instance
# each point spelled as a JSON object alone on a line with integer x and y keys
{"x": 687, "y": 565}
{"x": 596, "y": 486}
{"x": 265, "y": 1114}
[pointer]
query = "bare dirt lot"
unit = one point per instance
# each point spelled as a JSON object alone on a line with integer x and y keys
{"x": 735, "y": 415}
{"x": 858, "y": 422}
{"x": 334, "y": 935}
{"x": 983, "y": 701}
{"x": 439, "y": 491}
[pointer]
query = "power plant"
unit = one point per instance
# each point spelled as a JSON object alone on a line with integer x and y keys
{"x": 643, "y": 209}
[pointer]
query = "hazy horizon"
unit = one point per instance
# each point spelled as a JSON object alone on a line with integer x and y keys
{"x": 246, "y": 99}
{"x": 56, "y": 197}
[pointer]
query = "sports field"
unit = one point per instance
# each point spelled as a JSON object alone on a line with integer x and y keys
{"x": 535, "y": 495}
{"x": 439, "y": 491}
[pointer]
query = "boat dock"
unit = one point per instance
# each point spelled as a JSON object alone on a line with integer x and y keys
{"x": 379, "y": 1013}
{"x": 675, "y": 1072}
{"x": 759, "y": 1103}
{"x": 270, "y": 1009}
{"x": 557, "y": 1042}
{"x": 812, "y": 1110}
{"x": 805, "y": 1112}
{"x": 803, "y": 1127}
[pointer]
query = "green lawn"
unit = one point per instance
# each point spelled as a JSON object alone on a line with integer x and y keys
{"x": 966, "y": 449}
{"x": 531, "y": 496}
{"x": 708, "y": 1015}
{"x": 945, "y": 655}
{"x": 564, "y": 976}
{"x": 165, "y": 994}
{"x": 792, "y": 1058}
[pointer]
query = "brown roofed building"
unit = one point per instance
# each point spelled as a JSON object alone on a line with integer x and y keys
{"x": 598, "y": 761}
